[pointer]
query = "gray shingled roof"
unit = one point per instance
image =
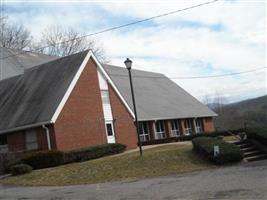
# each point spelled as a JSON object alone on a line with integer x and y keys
{"x": 34, "y": 96}
{"x": 19, "y": 61}
{"x": 157, "y": 97}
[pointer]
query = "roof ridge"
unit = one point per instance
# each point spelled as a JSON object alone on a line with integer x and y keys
{"x": 21, "y": 51}
{"x": 37, "y": 66}
{"x": 56, "y": 60}
{"x": 11, "y": 77}
{"x": 138, "y": 70}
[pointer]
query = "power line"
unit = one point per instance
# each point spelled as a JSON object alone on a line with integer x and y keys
{"x": 195, "y": 77}
{"x": 221, "y": 75}
{"x": 119, "y": 27}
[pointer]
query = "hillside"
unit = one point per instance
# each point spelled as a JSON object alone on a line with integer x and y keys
{"x": 252, "y": 112}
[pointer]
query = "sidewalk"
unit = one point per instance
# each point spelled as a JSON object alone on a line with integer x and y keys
{"x": 155, "y": 145}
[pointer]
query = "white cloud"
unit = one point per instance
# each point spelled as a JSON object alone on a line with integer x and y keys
{"x": 172, "y": 53}
{"x": 175, "y": 49}
{"x": 240, "y": 46}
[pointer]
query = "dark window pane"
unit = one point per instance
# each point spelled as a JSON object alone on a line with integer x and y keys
{"x": 144, "y": 133}
{"x": 3, "y": 140}
{"x": 109, "y": 129}
{"x": 161, "y": 125}
{"x": 140, "y": 125}
{"x": 158, "y": 126}
{"x": 172, "y": 124}
{"x": 187, "y": 123}
{"x": 175, "y": 125}
{"x": 145, "y": 127}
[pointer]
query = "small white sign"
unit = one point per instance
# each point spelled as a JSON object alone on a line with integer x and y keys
{"x": 216, "y": 150}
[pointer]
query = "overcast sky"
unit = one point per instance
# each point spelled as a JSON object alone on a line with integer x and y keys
{"x": 223, "y": 37}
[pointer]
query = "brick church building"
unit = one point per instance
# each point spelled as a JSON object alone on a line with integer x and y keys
{"x": 75, "y": 101}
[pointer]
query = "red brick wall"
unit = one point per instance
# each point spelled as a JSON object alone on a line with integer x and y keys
{"x": 208, "y": 124}
{"x": 168, "y": 128}
{"x": 182, "y": 126}
{"x": 81, "y": 122}
{"x": 125, "y": 130}
{"x": 52, "y": 136}
{"x": 151, "y": 130}
{"x": 16, "y": 141}
{"x": 42, "y": 139}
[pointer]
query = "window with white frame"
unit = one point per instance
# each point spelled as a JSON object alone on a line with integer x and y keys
{"x": 198, "y": 122}
{"x": 175, "y": 131}
{"x": 159, "y": 130}
{"x": 109, "y": 128}
{"x": 187, "y": 127}
{"x": 143, "y": 131}
{"x": 31, "y": 139}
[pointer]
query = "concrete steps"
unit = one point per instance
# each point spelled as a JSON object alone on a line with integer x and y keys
{"x": 250, "y": 151}
{"x": 257, "y": 157}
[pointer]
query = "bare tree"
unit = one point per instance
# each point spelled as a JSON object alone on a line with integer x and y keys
{"x": 206, "y": 100}
{"x": 13, "y": 35}
{"x": 219, "y": 102}
{"x": 62, "y": 42}
{"x": 58, "y": 41}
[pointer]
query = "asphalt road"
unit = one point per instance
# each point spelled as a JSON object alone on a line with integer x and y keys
{"x": 244, "y": 181}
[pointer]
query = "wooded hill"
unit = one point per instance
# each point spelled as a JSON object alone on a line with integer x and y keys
{"x": 249, "y": 113}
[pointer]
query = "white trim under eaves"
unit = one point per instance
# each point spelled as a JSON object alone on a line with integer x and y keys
{"x": 75, "y": 80}
{"x": 113, "y": 85}
{"x": 173, "y": 118}
{"x": 71, "y": 86}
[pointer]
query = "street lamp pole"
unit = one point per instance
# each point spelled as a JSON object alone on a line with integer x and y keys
{"x": 128, "y": 64}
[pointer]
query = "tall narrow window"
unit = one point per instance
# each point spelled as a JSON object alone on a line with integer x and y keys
{"x": 31, "y": 140}
{"x": 143, "y": 131}
{"x": 175, "y": 131}
{"x": 109, "y": 129}
{"x": 105, "y": 96}
{"x": 187, "y": 127}
{"x": 199, "y": 128}
{"x": 159, "y": 130}
{"x": 106, "y": 105}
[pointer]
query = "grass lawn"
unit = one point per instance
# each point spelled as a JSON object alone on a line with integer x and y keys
{"x": 158, "y": 161}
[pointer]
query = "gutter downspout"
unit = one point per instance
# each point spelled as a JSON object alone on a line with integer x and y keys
{"x": 47, "y": 137}
{"x": 195, "y": 126}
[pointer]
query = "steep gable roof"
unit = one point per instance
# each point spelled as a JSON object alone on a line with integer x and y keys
{"x": 34, "y": 96}
{"x": 37, "y": 96}
{"x": 157, "y": 97}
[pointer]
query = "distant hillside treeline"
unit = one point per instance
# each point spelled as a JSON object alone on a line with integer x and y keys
{"x": 250, "y": 113}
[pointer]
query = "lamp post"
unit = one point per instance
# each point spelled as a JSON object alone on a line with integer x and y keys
{"x": 128, "y": 64}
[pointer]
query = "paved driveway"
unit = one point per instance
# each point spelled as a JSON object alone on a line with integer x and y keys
{"x": 245, "y": 181}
